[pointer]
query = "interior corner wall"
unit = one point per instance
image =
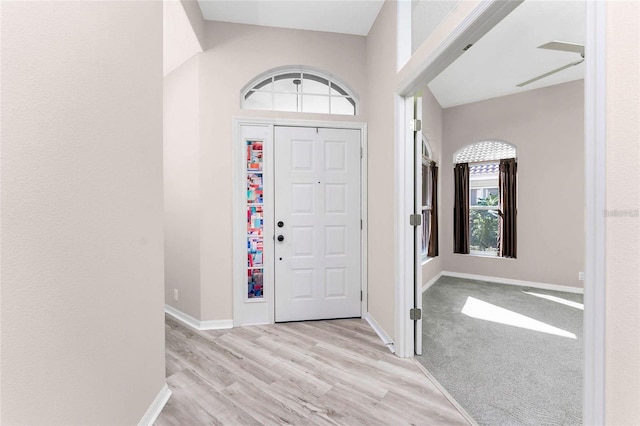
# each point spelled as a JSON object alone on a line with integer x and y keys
{"x": 622, "y": 223}
{"x": 235, "y": 55}
{"x": 381, "y": 70}
{"x": 194, "y": 15}
{"x": 432, "y": 121}
{"x": 547, "y": 127}
{"x": 81, "y": 199}
{"x": 182, "y": 187}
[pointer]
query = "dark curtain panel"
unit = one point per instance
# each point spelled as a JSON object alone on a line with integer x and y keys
{"x": 461, "y": 209}
{"x": 432, "y": 248}
{"x": 508, "y": 209}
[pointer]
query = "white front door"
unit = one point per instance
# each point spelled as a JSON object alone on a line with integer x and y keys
{"x": 317, "y": 223}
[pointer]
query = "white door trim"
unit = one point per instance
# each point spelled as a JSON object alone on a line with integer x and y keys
{"x": 595, "y": 180}
{"x": 403, "y": 244}
{"x": 480, "y": 20}
{"x": 486, "y": 15}
{"x": 417, "y": 230}
{"x": 239, "y": 224}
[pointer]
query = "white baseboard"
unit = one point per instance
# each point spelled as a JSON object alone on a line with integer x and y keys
{"x": 431, "y": 282}
{"x": 156, "y": 407}
{"x": 446, "y": 394}
{"x": 510, "y": 281}
{"x": 197, "y": 324}
{"x": 386, "y": 339}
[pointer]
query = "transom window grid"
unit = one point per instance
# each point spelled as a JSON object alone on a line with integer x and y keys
{"x": 300, "y": 92}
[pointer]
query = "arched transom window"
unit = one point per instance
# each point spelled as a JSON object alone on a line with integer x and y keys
{"x": 299, "y": 90}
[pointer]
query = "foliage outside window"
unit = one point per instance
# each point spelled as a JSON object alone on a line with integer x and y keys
{"x": 483, "y": 222}
{"x": 484, "y": 199}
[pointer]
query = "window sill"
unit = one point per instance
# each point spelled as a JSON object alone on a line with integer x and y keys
{"x": 484, "y": 256}
{"x": 427, "y": 260}
{"x": 481, "y": 253}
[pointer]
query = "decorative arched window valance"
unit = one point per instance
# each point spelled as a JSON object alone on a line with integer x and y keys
{"x": 299, "y": 89}
{"x": 488, "y": 150}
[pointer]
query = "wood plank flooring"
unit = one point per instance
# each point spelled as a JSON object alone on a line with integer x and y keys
{"x": 307, "y": 373}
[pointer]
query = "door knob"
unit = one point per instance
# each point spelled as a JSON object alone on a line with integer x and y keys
{"x": 280, "y": 237}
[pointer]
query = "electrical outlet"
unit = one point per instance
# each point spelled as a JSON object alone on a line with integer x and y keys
{"x": 581, "y": 276}
{"x": 175, "y": 294}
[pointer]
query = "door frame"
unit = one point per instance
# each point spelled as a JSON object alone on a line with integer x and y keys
{"x": 420, "y": 71}
{"x": 240, "y": 305}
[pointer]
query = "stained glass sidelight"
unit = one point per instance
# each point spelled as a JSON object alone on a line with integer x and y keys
{"x": 254, "y": 279}
{"x": 255, "y": 249}
{"x": 254, "y": 187}
{"x": 254, "y": 156}
{"x": 255, "y": 220}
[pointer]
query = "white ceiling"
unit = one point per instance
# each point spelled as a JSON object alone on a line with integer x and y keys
{"x": 505, "y": 56}
{"x": 508, "y": 54}
{"x": 347, "y": 17}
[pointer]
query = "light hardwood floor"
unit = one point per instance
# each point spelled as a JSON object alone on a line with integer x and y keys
{"x": 307, "y": 373}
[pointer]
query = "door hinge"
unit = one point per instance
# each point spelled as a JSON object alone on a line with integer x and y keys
{"x": 415, "y": 125}
{"x": 361, "y": 152}
{"x": 415, "y": 314}
{"x": 415, "y": 219}
{"x": 361, "y": 295}
{"x": 361, "y": 224}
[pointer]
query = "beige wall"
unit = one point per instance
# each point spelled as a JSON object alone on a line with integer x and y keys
{"x": 194, "y": 14}
{"x": 432, "y": 121}
{"x": 546, "y": 125}
{"x": 81, "y": 238}
{"x": 236, "y": 54}
{"x": 622, "y": 390}
{"x": 183, "y": 26}
{"x": 381, "y": 72}
{"x": 182, "y": 187}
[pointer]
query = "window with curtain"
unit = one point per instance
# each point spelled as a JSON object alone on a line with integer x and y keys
{"x": 429, "y": 205}
{"x": 485, "y": 199}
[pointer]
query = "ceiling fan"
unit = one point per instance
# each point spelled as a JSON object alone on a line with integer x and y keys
{"x": 563, "y": 46}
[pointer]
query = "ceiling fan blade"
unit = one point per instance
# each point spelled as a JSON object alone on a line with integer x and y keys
{"x": 563, "y": 46}
{"x": 547, "y": 74}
